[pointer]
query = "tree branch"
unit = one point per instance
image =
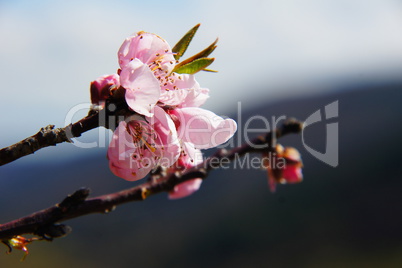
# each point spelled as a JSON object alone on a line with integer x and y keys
{"x": 50, "y": 136}
{"x": 47, "y": 136}
{"x": 45, "y": 223}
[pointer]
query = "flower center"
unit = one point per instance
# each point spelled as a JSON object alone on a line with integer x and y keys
{"x": 168, "y": 82}
{"x": 144, "y": 137}
{"x": 160, "y": 64}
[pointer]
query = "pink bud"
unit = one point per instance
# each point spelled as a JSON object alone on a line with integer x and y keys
{"x": 100, "y": 88}
{"x": 292, "y": 174}
{"x": 289, "y": 173}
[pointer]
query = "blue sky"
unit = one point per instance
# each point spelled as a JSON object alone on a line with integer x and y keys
{"x": 51, "y": 50}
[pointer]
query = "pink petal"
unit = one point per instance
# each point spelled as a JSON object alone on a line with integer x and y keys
{"x": 128, "y": 174}
{"x": 117, "y": 150}
{"x": 186, "y": 97}
{"x": 100, "y": 88}
{"x": 196, "y": 97}
{"x": 142, "y": 88}
{"x": 185, "y": 188}
{"x": 146, "y": 47}
{"x": 190, "y": 156}
{"x": 292, "y": 174}
{"x": 126, "y": 159}
{"x": 173, "y": 97}
{"x": 184, "y": 91}
{"x": 203, "y": 128}
{"x": 166, "y": 130}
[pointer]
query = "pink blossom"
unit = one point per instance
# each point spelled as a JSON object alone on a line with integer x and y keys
{"x": 142, "y": 88}
{"x": 144, "y": 59}
{"x": 198, "y": 129}
{"x": 158, "y": 139}
{"x": 150, "y": 49}
{"x": 292, "y": 172}
{"x": 101, "y": 88}
{"x": 139, "y": 145}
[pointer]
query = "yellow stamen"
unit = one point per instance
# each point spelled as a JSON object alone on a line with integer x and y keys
{"x": 155, "y": 68}
{"x": 153, "y": 149}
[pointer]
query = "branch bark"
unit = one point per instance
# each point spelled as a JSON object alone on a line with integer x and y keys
{"x": 45, "y": 223}
{"x": 47, "y": 136}
{"x": 50, "y": 136}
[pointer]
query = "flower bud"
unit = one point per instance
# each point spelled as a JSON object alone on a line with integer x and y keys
{"x": 101, "y": 88}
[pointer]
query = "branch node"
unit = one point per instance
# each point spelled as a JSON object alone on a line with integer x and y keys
{"x": 68, "y": 132}
{"x": 145, "y": 193}
{"x": 110, "y": 209}
{"x": 204, "y": 172}
{"x": 75, "y": 199}
{"x": 222, "y": 152}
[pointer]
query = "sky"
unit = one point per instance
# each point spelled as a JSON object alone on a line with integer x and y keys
{"x": 268, "y": 49}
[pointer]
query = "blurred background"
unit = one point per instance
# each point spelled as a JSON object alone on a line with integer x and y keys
{"x": 276, "y": 58}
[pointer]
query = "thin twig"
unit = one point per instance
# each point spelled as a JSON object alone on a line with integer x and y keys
{"x": 45, "y": 223}
{"x": 47, "y": 136}
{"x": 50, "y": 136}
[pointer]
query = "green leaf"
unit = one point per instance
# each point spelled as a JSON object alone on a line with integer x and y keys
{"x": 194, "y": 66}
{"x": 203, "y": 54}
{"x": 184, "y": 42}
{"x": 209, "y": 70}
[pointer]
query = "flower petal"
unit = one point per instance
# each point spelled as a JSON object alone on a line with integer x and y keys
{"x": 184, "y": 91}
{"x": 129, "y": 159}
{"x": 196, "y": 97}
{"x": 292, "y": 174}
{"x": 128, "y": 174}
{"x": 166, "y": 131}
{"x": 142, "y": 88}
{"x": 100, "y": 88}
{"x": 146, "y": 47}
{"x": 203, "y": 128}
{"x": 185, "y": 188}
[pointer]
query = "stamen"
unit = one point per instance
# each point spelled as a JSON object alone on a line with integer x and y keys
{"x": 155, "y": 68}
{"x": 153, "y": 149}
